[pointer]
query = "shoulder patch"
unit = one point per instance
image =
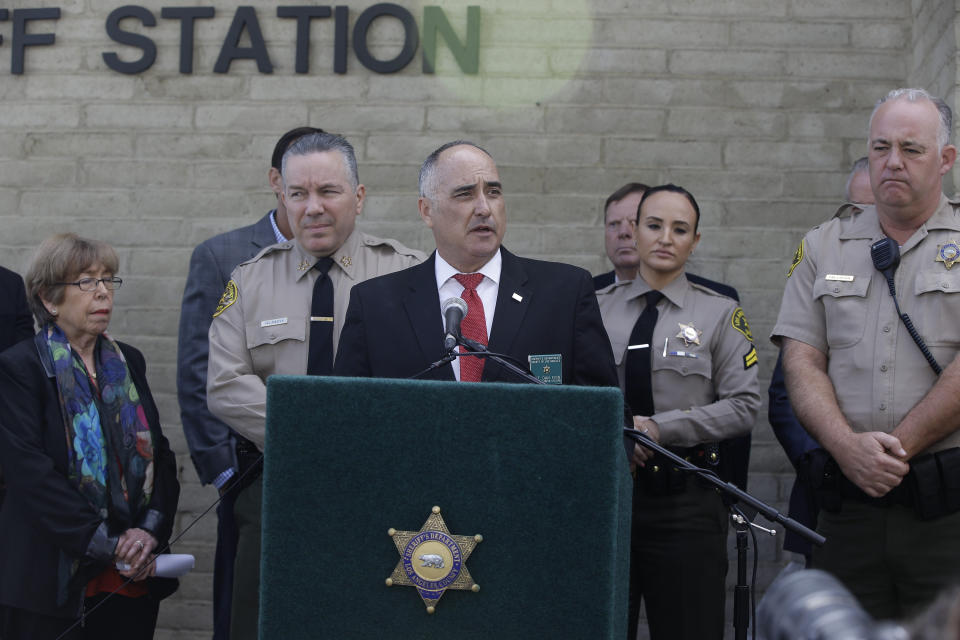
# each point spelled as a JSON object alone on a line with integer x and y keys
{"x": 750, "y": 360}
{"x": 739, "y": 322}
{"x": 797, "y": 259}
{"x": 228, "y": 298}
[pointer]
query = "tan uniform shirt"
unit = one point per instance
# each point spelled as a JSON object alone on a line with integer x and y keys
{"x": 262, "y": 325}
{"x": 836, "y": 301}
{"x": 702, "y": 392}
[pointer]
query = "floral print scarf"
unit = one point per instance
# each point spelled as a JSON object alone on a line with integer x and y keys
{"x": 108, "y": 439}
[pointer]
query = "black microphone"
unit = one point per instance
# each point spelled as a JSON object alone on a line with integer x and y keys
{"x": 886, "y": 258}
{"x": 454, "y": 310}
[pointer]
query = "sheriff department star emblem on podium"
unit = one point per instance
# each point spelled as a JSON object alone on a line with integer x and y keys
{"x": 433, "y": 560}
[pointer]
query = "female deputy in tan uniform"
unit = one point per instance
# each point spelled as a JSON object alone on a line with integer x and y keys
{"x": 687, "y": 367}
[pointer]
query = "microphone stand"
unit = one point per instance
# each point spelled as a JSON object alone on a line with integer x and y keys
{"x": 477, "y": 350}
{"x": 741, "y": 524}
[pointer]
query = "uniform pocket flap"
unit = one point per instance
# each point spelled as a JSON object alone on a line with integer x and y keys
{"x": 840, "y": 288}
{"x": 930, "y": 281}
{"x": 290, "y": 329}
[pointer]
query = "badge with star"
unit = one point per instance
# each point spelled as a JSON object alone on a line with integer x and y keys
{"x": 949, "y": 253}
{"x": 432, "y": 560}
{"x": 689, "y": 334}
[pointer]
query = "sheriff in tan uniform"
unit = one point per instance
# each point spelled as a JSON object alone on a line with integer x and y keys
{"x": 262, "y": 325}
{"x": 703, "y": 361}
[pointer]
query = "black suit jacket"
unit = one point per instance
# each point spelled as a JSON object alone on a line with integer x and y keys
{"x": 44, "y": 512}
{"x": 394, "y": 328}
{"x": 210, "y": 440}
{"x": 16, "y": 323}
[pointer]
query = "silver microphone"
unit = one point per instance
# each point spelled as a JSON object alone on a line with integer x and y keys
{"x": 454, "y": 310}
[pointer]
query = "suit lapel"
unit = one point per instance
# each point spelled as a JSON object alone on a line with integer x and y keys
{"x": 510, "y": 311}
{"x": 263, "y": 235}
{"x": 422, "y": 304}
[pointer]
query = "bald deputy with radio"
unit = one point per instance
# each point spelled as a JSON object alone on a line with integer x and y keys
{"x": 870, "y": 334}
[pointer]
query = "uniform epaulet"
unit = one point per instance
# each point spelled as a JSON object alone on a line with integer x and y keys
{"x": 847, "y": 209}
{"x": 610, "y": 288}
{"x": 280, "y": 246}
{"x": 706, "y": 289}
{"x": 396, "y": 245}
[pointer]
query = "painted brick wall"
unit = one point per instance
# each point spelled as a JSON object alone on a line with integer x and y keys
{"x": 757, "y": 106}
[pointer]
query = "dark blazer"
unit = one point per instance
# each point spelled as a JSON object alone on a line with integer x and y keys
{"x": 211, "y": 441}
{"x": 608, "y": 278}
{"x": 795, "y": 442}
{"x": 44, "y": 512}
{"x": 394, "y": 328}
{"x": 16, "y": 322}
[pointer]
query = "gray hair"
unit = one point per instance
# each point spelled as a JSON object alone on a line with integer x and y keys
{"x": 915, "y": 95}
{"x": 61, "y": 258}
{"x": 861, "y": 164}
{"x": 320, "y": 143}
{"x": 428, "y": 170}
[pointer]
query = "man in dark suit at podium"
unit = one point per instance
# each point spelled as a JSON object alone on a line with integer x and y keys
{"x": 536, "y": 312}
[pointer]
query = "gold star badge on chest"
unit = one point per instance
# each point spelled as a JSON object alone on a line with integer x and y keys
{"x": 949, "y": 253}
{"x": 689, "y": 334}
{"x": 432, "y": 560}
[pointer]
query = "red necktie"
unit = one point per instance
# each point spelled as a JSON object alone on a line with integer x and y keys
{"x": 474, "y": 326}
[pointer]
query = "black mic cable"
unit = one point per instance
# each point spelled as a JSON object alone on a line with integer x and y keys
{"x": 886, "y": 258}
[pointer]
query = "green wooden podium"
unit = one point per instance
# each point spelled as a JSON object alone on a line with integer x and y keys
{"x": 538, "y": 471}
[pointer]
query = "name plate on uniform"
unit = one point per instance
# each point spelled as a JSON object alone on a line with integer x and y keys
{"x": 548, "y": 368}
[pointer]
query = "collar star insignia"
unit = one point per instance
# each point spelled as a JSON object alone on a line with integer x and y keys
{"x": 346, "y": 261}
{"x": 432, "y": 560}
{"x": 949, "y": 253}
{"x": 304, "y": 265}
{"x": 689, "y": 334}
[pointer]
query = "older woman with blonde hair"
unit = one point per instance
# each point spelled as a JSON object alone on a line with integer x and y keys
{"x": 92, "y": 487}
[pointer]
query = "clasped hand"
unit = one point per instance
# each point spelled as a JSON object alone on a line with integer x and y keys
{"x": 134, "y": 548}
{"x": 875, "y": 461}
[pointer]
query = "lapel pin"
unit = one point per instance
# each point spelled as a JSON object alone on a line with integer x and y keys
{"x": 518, "y": 297}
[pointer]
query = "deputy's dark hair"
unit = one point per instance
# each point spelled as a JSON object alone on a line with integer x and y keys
{"x": 671, "y": 188}
{"x": 276, "y": 160}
